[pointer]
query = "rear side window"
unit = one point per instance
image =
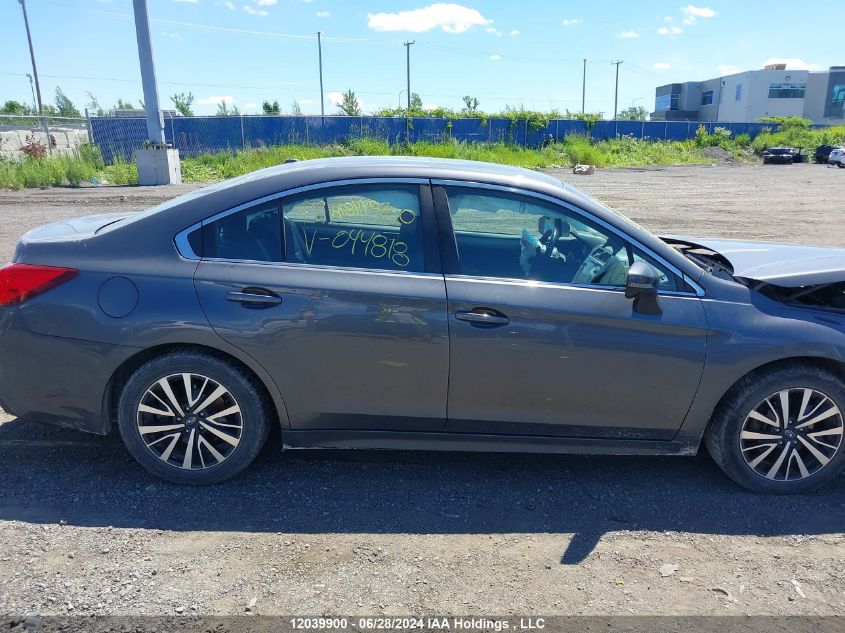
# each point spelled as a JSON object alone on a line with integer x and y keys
{"x": 253, "y": 234}
{"x": 367, "y": 226}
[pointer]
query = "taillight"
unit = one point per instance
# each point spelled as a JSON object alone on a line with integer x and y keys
{"x": 21, "y": 282}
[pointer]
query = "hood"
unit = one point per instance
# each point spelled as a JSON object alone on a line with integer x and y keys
{"x": 787, "y": 265}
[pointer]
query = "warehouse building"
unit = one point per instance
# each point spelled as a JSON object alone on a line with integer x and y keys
{"x": 746, "y": 97}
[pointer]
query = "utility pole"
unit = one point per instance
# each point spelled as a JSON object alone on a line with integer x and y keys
{"x": 584, "y": 86}
{"x": 407, "y": 46}
{"x": 616, "y": 93}
{"x": 155, "y": 122}
{"x": 157, "y": 164}
{"x": 320, "y": 58}
{"x": 38, "y": 104}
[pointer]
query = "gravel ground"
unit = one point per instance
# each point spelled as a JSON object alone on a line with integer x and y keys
{"x": 83, "y": 530}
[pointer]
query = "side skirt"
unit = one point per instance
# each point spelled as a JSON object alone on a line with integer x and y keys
{"x": 393, "y": 440}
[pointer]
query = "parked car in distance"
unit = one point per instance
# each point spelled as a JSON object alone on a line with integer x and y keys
{"x": 837, "y": 157}
{"x": 409, "y": 303}
{"x": 779, "y": 156}
{"x": 822, "y": 153}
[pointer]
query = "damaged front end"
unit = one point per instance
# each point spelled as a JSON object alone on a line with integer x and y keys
{"x": 792, "y": 274}
{"x": 826, "y": 296}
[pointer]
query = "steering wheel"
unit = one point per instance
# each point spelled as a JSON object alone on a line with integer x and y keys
{"x": 551, "y": 236}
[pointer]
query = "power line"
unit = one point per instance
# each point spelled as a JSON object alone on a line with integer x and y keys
{"x": 285, "y": 85}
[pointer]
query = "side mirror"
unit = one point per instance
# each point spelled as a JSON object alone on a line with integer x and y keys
{"x": 641, "y": 286}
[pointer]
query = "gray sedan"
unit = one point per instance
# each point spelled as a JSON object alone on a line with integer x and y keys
{"x": 423, "y": 304}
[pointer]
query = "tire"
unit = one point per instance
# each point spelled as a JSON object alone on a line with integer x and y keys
{"x": 225, "y": 433}
{"x": 735, "y": 421}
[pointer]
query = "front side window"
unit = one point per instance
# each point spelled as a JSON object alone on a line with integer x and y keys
{"x": 738, "y": 96}
{"x": 707, "y": 97}
{"x": 368, "y": 226}
{"x": 508, "y": 236}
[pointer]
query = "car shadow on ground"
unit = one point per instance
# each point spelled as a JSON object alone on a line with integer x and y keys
{"x": 50, "y": 475}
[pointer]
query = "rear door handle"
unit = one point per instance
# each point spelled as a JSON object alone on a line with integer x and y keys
{"x": 484, "y": 317}
{"x": 254, "y": 298}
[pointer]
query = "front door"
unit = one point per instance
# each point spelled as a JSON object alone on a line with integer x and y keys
{"x": 543, "y": 340}
{"x": 331, "y": 292}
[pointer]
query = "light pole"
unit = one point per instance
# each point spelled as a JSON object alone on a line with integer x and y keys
{"x": 38, "y": 104}
{"x": 32, "y": 88}
{"x": 408, "y": 70}
{"x": 616, "y": 93}
{"x": 320, "y": 58}
{"x": 400, "y": 97}
{"x": 584, "y": 86}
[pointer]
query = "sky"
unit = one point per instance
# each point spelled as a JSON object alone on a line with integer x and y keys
{"x": 503, "y": 53}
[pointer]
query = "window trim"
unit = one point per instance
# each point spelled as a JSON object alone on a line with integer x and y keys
{"x": 185, "y": 251}
{"x": 451, "y": 258}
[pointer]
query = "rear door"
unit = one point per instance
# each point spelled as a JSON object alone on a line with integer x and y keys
{"x": 543, "y": 340}
{"x": 333, "y": 291}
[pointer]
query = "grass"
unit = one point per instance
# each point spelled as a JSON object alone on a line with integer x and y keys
{"x": 571, "y": 150}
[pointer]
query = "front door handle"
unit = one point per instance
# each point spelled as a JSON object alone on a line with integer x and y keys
{"x": 484, "y": 317}
{"x": 254, "y": 298}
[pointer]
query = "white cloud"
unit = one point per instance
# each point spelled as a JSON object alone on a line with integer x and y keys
{"x": 495, "y": 32}
{"x": 495, "y": 58}
{"x": 430, "y": 106}
{"x": 266, "y": 3}
{"x": 692, "y": 13}
{"x": 699, "y": 12}
{"x": 253, "y": 11}
{"x": 572, "y": 21}
{"x": 215, "y": 100}
{"x": 250, "y": 106}
{"x": 792, "y": 63}
{"x": 230, "y": 5}
{"x": 727, "y": 69}
{"x": 661, "y": 66}
{"x": 667, "y": 19}
{"x": 449, "y": 17}
{"x": 335, "y": 98}
{"x": 172, "y": 35}
{"x": 323, "y": 14}
{"x": 674, "y": 30}
{"x": 514, "y": 32}
{"x": 187, "y": 1}
{"x": 628, "y": 35}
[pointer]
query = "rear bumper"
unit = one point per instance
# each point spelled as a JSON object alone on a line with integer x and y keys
{"x": 56, "y": 380}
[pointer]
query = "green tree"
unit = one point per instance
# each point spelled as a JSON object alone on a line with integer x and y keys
{"x": 271, "y": 108}
{"x": 349, "y": 105}
{"x": 17, "y": 108}
{"x": 295, "y": 109}
{"x": 182, "y": 102}
{"x": 634, "y": 113}
{"x": 64, "y": 106}
{"x": 94, "y": 106}
{"x": 224, "y": 110}
{"x": 416, "y": 101}
{"x": 123, "y": 105}
{"x": 470, "y": 104}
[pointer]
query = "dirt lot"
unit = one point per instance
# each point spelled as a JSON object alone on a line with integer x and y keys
{"x": 84, "y": 530}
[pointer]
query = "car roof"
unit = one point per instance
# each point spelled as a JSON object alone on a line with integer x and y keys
{"x": 345, "y": 167}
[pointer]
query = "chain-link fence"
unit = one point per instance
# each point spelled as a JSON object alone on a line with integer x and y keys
{"x": 119, "y": 137}
{"x": 42, "y": 136}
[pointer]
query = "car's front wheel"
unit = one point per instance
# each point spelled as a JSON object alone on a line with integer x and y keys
{"x": 781, "y": 431}
{"x": 193, "y": 418}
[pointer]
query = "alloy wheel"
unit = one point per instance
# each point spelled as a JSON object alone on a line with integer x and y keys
{"x": 190, "y": 421}
{"x": 791, "y": 434}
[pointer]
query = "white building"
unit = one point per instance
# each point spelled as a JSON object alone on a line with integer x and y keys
{"x": 746, "y": 97}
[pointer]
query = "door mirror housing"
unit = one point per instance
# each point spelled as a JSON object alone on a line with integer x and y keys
{"x": 641, "y": 286}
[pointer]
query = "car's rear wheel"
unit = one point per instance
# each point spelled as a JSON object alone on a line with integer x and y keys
{"x": 192, "y": 418}
{"x": 781, "y": 431}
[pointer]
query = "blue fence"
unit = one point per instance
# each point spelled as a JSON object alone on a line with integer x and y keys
{"x": 120, "y": 137}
